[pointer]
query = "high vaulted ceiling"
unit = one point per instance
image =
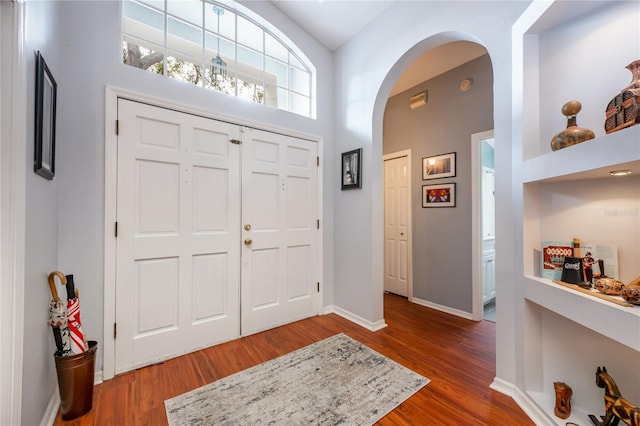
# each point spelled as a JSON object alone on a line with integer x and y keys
{"x": 334, "y": 22}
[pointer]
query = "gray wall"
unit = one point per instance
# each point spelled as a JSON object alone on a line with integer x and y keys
{"x": 65, "y": 218}
{"x": 41, "y": 223}
{"x": 441, "y": 236}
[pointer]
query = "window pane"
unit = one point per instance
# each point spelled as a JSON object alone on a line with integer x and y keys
{"x": 250, "y": 34}
{"x": 298, "y": 81}
{"x": 250, "y": 91}
{"x": 225, "y": 48}
{"x": 220, "y": 83}
{"x": 227, "y": 21}
{"x": 274, "y": 48}
{"x": 293, "y": 60}
{"x": 299, "y": 104}
{"x": 184, "y": 36}
{"x": 190, "y": 11}
{"x": 250, "y": 57}
{"x": 276, "y": 97}
{"x": 184, "y": 68}
{"x": 142, "y": 54}
{"x": 158, "y": 4}
{"x": 140, "y": 14}
{"x": 276, "y": 72}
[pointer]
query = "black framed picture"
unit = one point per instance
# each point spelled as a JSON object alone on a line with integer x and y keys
{"x": 439, "y": 166}
{"x": 351, "y": 173}
{"x": 45, "y": 120}
{"x": 443, "y": 195}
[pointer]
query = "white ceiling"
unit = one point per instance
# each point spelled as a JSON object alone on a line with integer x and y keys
{"x": 334, "y": 22}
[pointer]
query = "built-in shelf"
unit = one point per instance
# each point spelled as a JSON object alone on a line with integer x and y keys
{"x": 562, "y": 51}
{"x": 619, "y": 323}
{"x": 619, "y": 150}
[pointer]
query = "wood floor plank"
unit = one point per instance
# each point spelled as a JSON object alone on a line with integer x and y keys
{"x": 458, "y": 356}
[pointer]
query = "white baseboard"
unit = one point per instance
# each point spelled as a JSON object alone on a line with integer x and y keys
{"x": 52, "y": 409}
{"x": 371, "y": 326}
{"x": 524, "y": 401}
{"x": 442, "y": 308}
{"x": 51, "y": 412}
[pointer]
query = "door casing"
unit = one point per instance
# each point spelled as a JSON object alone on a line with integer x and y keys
{"x": 112, "y": 94}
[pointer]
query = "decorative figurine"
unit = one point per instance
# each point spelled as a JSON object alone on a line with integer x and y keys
{"x": 616, "y": 407}
{"x": 572, "y": 134}
{"x": 631, "y": 292}
{"x": 624, "y": 110}
{"x": 563, "y": 399}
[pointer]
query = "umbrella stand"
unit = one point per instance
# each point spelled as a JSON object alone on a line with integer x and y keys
{"x": 75, "y": 371}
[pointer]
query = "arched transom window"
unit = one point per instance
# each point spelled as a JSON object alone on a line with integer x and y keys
{"x": 215, "y": 46}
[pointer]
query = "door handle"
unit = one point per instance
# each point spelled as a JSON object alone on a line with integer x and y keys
{"x": 248, "y": 242}
{"x": 247, "y": 227}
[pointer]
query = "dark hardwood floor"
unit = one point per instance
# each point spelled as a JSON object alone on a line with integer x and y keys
{"x": 456, "y": 354}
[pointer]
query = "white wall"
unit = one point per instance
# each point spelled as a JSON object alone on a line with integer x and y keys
{"x": 366, "y": 68}
{"x": 66, "y": 216}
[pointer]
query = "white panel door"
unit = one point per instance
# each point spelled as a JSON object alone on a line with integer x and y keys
{"x": 178, "y": 242}
{"x": 396, "y": 226}
{"x": 280, "y": 235}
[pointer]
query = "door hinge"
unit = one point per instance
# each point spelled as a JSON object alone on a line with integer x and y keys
{"x": 115, "y": 329}
{"x": 318, "y": 285}
{"x": 116, "y": 230}
{"x": 117, "y": 127}
{"x": 318, "y": 223}
{"x": 318, "y": 161}
{"x": 235, "y": 141}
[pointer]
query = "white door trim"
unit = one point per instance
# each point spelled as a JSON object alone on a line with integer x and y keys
{"x": 111, "y": 161}
{"x": 477, "y": 310}
{"x": 385, "y": 157}
{"x": 13, "y": 170}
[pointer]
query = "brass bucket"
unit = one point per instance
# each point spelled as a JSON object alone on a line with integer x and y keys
{"x": 75, "y": 382}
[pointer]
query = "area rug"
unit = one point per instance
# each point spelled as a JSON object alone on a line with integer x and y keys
{"x": 337, "y": 381}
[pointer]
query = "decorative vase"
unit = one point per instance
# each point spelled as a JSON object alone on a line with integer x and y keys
{"x": 572, "y": 134}
{"x": 634, "y": 67}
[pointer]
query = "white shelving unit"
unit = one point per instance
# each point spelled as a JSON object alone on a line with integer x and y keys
{"x": 564, "y": 50}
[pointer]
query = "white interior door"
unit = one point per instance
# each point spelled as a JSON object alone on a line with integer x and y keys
{"x": 178, "y": 242}
{"x": 396, "y": 226}
{"x": 280, "y": 230}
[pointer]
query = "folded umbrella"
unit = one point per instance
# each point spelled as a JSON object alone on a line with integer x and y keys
{"x": 58, "y": 317}
{"x": 76, "y": 336}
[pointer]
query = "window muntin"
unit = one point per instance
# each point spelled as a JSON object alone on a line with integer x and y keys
{"x": 185, "y": 40}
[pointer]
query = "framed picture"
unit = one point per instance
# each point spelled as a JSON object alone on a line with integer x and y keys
{"x": 351, "y": 173}
{"x": 45, "y": 120}
{"x": 439, "y": 166}
{"x": 443, "y": 195}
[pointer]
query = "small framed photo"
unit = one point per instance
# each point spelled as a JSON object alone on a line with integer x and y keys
{"x": 45, "y": 120}
{"x": 351, "y": 172}
{"x": 442, "y": 195}
{"x": 439, "y": 166}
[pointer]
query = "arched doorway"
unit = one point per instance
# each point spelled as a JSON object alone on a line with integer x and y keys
{"x": 457, "y": 92}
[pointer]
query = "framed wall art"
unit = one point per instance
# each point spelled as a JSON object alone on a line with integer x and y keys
{"x": 351, "y": 172}
{"x": 439, "y": 166}
{"x": 442, "y": 195}
{"x": 45, "y": 120}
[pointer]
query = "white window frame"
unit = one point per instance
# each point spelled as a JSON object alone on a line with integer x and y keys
{"x": 234, "y": 69}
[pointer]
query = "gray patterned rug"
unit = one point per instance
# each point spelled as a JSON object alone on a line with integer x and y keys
{"x": 335, "y": 381}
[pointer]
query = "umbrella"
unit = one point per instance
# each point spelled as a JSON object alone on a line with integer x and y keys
{"x": 58, "y": 317}
{"x": 76, "y": 336}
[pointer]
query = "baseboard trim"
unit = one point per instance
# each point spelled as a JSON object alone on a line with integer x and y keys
{"x": 524, "y": 401}
{"x": 369, "y": 325}
{"x": 49, "y": 416}
{"x": 442, "y": 308}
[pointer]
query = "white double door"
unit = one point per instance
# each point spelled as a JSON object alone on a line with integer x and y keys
{"x": 216, "y": 233}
